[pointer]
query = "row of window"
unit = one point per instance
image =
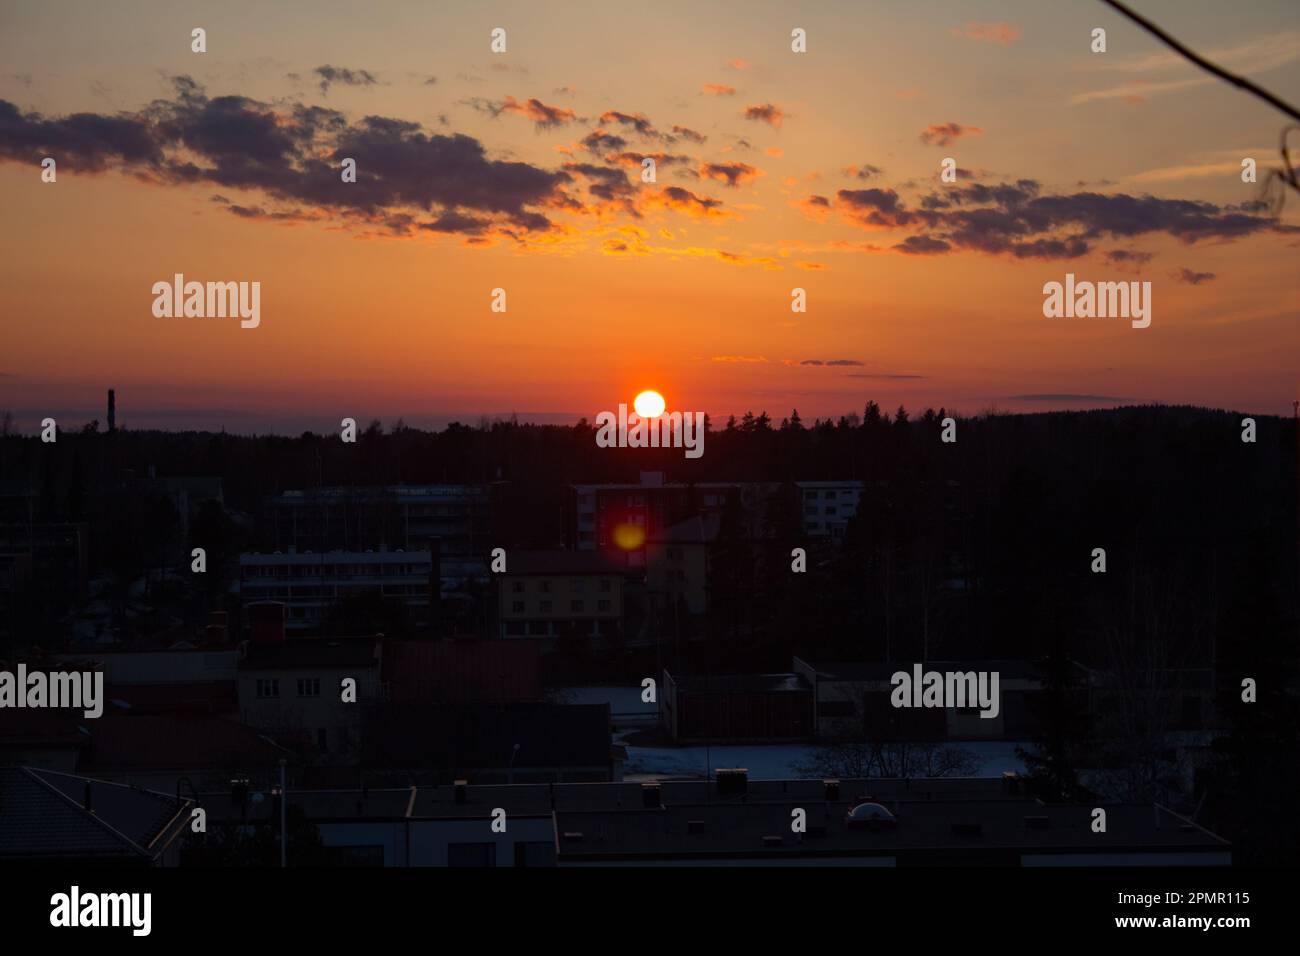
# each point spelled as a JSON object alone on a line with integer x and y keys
{"x": 576, "y": 585}
{"x": 544, "y": 607}
{"x": 269, "y": 687}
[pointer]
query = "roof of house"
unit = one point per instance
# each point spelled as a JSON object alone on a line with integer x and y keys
{"x": 188, "y": 697}
{"x": 46, "y": 814}
{"x": 738, "y": 683}
{"x": 462, "y": 671}
{"x": 481, "y": 737}
{"x": 141, "y": 742}
{"x": 319, "y": 653}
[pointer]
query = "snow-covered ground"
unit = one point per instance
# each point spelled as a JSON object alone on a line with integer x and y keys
{"x": 778, "y": 761}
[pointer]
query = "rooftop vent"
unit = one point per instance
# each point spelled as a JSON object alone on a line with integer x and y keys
{"x": 695, "y": 827}
{"x": 771, "y": 841}
{"x": 869, "y": 816}
{"x": 573, "y": 836}
{"x": 462, "y": 790}
{"x": 650, "y": 796}
{"x": 832, "y": 790}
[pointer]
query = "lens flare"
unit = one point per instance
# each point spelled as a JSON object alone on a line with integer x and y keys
{"x": 629, "y": 537}
{"x": 649, "y": 404}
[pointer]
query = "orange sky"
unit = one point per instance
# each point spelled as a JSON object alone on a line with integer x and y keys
{"x": 365, "y": 317}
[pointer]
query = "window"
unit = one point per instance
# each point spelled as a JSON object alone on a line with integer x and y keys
{"x": 674, "y": 554}
{"x": 514, "y": 628}
{"x": 517, "y": 607}
{"x": 830, "y": 509}
{"x": 322, "y": 740}
{"x": 578, "y": 585}
{"x": 546, "y": 607}
{"x": 308, "y": 686}
{"x": 605, "y": 585}
{"x": 268, "y": 687}
{"x": 517, "y": 587}
{"x": 811, "y": 496}
{"x": 471, "y": 854}
{"x": 602, "y": 605}
{"x": 544, "y": 587}
{"x": 539, "y": 853}
{"x": 576, "y": 606}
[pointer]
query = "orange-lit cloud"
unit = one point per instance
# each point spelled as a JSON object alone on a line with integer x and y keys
{"x": 543, "y": 116}
{"x": 942, "y": 134}
{"x": 1003, "y": 33}
{"x": 718, "y": 89}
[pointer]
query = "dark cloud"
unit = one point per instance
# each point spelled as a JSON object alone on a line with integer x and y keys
{"x": 1067, "y": 397}
{"x": 733, "y": 174}
{"x": 82, "y": 142}
{"x": 768, "y": 113}
{"x": 685, "y": 132}
{"x": 1193, "y": 278}
{"x": 1018, "y": 220}
{"x": 883, "y": 375}
{"x": 874, "y": 207}
{"x": 598, "y": 140}
{"x": 831, "y": 363}
{"x": 865, "y": 171}
{"x": 293, "y": 154}
{"x": 922, "y": 246}
{"x": 634, "y": 121}
{"x": 338, "y": 74}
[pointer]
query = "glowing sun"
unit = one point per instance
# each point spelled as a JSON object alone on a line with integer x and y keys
{"x": 649, "y": 404}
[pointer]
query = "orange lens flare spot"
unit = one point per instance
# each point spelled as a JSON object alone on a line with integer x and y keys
{"x": 629, "y": 537}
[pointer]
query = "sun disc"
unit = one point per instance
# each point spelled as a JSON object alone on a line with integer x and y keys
{"x": 649, "y": 404}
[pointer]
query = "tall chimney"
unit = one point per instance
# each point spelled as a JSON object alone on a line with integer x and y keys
{"x": 112, "y": 411}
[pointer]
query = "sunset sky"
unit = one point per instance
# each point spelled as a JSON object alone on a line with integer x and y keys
{"x": 521, "y": 171}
